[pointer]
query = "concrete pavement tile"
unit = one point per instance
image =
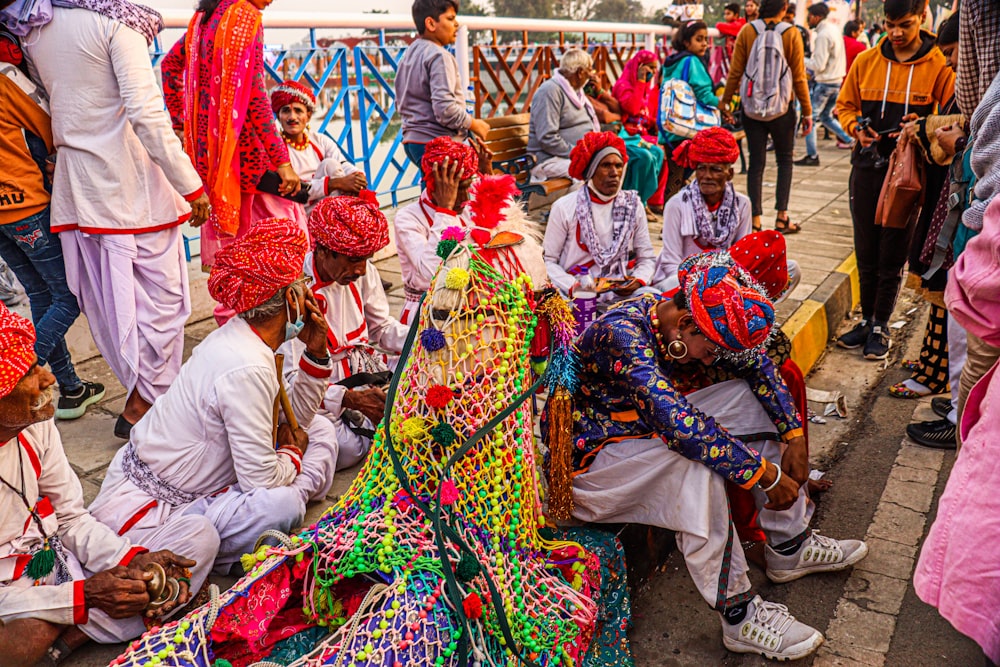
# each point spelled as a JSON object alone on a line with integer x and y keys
{"x": 201, "y": 328}
{"x": 916, "y": 496}
{"x": 888, "y": 558}
{"x": 898, "y": 524}
{"x": 908, "y": 474}
{"x": 825, "y": 657}
{"x": 876, "y": 592}
{"x": 854, "y": 627}
{"x": 915, "y": 456}
{"x": 96, "y": 370}
{"x": 89, "y": 441}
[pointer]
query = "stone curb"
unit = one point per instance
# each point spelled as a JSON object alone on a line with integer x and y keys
{"x": 817, "y": 318}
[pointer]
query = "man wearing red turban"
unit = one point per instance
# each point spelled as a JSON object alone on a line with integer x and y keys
{"x": 708, "y": 213}
{"x": 56, "y": 560}
{"x": 315, "y": 157}
{"x": 449, "y": 169}
{"x": 212, "y": 445}
{"x": 346, "y": 234}
{"x": 656, "y": 441}
{"x": 600, "y": 227}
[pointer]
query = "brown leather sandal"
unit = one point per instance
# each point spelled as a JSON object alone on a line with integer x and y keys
{"x": 786, "y": 226}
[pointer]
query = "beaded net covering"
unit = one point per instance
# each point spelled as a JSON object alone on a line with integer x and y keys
{"x": 433, "y": 556}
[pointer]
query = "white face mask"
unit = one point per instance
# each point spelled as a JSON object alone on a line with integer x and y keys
{"x": 293, "y": 329}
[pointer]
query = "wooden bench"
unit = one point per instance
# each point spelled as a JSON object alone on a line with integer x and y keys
{"x": 508, "y": 139}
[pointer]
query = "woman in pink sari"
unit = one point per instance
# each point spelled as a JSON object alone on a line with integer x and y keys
{"x": 638, "y": 93}
{"x": 214, "y": 87}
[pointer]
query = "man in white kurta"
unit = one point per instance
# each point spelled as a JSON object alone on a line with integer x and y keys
{"x": 449, "y": 168}
{"x": 364, "y": 339}
{"x": 43, "y": 510}
{"x": 207, "y": 447}
{"x": 121, "y": 190}
{"x": 600, "y": 226}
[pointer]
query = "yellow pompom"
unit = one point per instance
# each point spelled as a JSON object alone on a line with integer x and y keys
{"x": 457, "y": 278}
{"x": 248, "y": 561}
{"x": 414, "y": 428}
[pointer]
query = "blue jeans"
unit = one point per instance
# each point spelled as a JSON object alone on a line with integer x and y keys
{"x": 415, "y": 152}
{"x": 35, "y": 256}
{"x": 824, "y": 100}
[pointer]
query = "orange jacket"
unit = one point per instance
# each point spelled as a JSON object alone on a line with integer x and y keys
{"x": 884, "y": 90}
{"x": 22, "y": 189}
{"x": 794, "y": 54}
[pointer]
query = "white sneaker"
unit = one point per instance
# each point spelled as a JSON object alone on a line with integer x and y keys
{"x": 817, "y": 554}
{"x": 769, "y": 630}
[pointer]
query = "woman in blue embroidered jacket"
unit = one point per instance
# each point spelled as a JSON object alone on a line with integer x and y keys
{"x": 677, "y": 397}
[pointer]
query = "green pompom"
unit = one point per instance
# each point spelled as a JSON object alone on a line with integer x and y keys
{"x": 445, "y": 247}
{"x": 443, "y": 434}
{"x": 468, "y": 567}
{"x": 41, "y": 563}
{"x": 222, "y": 662}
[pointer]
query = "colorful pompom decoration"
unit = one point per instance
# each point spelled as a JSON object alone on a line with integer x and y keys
{"x": 432, "y": 339}
{"x": 472, "y": 605}
{"x": 468, "y": 567}
{"x": 445, "y": 248}
{"x": 449, "y": 492}
{"x": 414, "y": 428}
{"x": 439, "y": 396}
{"x": 442, "y": 433}
{"x": 457, "y": 278}
{"x": 453, "y": 233}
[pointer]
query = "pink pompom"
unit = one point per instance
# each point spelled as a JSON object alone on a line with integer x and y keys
{"x": 449, "y": 492}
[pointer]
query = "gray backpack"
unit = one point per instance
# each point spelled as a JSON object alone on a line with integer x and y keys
{"x": 766, "y": 87}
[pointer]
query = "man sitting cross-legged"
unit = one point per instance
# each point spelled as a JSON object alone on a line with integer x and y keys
{"x": 207, "y": 447}
{"x": 347, "y": 232}
{"x": 656, "y": 438}
{"x": 600, "y": 226}
{"x": 64, "y": 576}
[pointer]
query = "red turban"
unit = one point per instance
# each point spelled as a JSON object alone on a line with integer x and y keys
{"x": 290, "y": 91}
{"x": 763, "y": 256}
{"x": 17, "y": 349}
{"x": 712, "y": 146}
{"x": 593, "y": 148}
{"x": 352, "y": 226}
{"x": 253, "y": 268}
{"x": 10, "y": 50}
{"x": 725, "y": 302}
{"x": 438, "y": 149}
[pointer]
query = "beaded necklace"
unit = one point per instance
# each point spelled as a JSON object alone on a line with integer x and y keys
{"x": 43, "y": 560}
{"x": 299, "y": 144}
{"x": 655, "y": 318}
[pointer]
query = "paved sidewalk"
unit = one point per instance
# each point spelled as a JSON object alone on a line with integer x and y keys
{"x": 823, "y": 249}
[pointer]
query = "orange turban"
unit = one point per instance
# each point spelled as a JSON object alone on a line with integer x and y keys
{"x": 712, "y": 146}
{"x": 590, "y": 150}
{"x": 17, "y": 349}
{"x": 352, "y": 226}
{"x": 253, "y": 268}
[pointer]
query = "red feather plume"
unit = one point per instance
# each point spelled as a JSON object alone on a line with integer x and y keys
{"x": 368, "y": 197}
{"x": 491, "y": 195}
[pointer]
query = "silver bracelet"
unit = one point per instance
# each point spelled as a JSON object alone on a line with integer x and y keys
{"x": 774, "y": 483}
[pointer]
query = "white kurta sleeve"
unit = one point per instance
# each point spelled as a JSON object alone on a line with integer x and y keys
{"x": 62, "y": 604}
{"x": 419, "y": 244}
{"x": 645, "y": 256}
{"x": 146, "y": 111}
{"x": 384, "y": 330}
{"x": 557, "y": 234}
{"x": 96, "y": 546}
{"x": 307, "y": 387}
{"x": 743, "y": 210}
{"x": 245, "y": 400}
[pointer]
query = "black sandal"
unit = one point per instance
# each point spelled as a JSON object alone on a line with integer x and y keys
{"x": 786, "y": 226}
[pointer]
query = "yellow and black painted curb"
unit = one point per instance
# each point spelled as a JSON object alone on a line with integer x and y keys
{"x": 816, "y": 320}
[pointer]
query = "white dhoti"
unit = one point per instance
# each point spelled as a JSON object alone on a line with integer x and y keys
{"x": 643, "y": 481}
{"x": 240, "y": 516}
{"x": 133, "y": 288}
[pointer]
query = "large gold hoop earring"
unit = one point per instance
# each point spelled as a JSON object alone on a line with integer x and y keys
{"x": 677, "y": 349}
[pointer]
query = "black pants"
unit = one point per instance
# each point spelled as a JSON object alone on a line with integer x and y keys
{"x": 881, "y": 251}
{"x": 782, "y": 132}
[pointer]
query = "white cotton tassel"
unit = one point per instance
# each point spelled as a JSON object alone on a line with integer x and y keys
{"x": 529, "y": 252}
{"x": 451, "y": 283}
